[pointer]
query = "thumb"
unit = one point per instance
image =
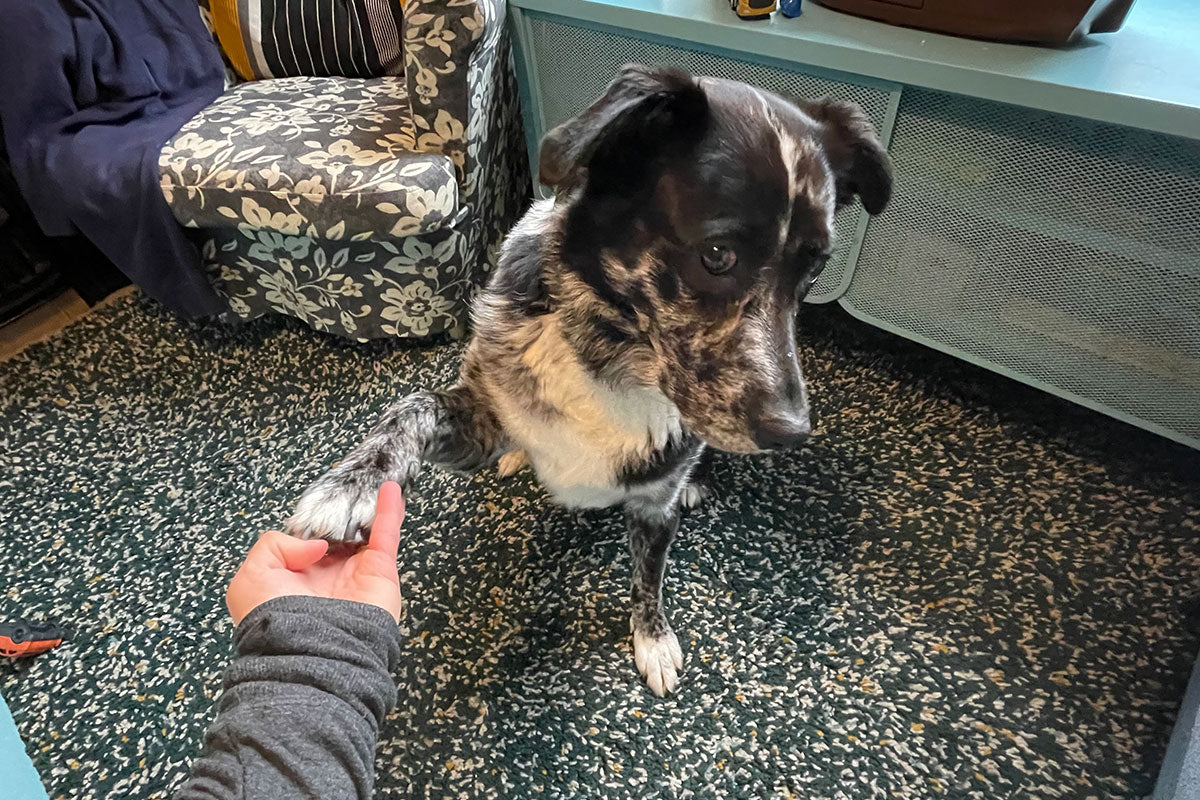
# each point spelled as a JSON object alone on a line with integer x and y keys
{"x": 389, "y": 514}
{"x": 275, "y": 549}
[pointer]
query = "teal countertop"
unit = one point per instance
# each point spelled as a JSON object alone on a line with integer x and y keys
{"x": 1147, "y": 75}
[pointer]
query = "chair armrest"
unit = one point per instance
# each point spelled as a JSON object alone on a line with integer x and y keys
{"x": 449, "y": 52}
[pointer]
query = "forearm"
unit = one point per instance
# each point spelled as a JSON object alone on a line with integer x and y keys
{"x": 302, "y": 704}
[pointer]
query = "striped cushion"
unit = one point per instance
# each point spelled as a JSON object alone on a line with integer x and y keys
{"x": 292, "y": 38}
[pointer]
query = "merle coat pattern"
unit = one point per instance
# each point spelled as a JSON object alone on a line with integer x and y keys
{"x": 644, "y": 313}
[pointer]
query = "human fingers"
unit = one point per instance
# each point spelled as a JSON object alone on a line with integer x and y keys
{"x": 389, "y": 514}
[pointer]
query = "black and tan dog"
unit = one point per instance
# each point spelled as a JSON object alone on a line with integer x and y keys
{"x": 647, "y": 312}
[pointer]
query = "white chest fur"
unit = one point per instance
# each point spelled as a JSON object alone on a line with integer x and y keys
{"x": 578, "y": 450}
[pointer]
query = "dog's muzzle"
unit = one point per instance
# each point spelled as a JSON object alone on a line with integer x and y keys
{"x": 782, "y": 431}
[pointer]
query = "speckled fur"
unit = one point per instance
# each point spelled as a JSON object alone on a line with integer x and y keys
{"x": 604, "y": 352}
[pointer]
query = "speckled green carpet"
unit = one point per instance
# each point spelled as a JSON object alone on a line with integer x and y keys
{"x": 961, "y": 589}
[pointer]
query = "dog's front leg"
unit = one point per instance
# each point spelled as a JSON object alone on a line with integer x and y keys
{"x": 452, "y": 429}
{"x": 655, "y": 646}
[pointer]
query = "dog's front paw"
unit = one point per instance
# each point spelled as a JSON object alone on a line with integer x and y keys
{"x": 333, "y": 508}
{"x": 694, "y": 493}
{"x": 659, "y": 659}
{"x": 511, "y": 463}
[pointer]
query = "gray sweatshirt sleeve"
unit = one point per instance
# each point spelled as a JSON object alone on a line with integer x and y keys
{"x": 302, "y": 704}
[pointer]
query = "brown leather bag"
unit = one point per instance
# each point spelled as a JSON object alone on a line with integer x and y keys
{"x": 1055, "y": 22}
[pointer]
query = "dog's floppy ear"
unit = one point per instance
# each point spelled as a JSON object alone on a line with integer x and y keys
{"x": 643, "y": 114}
{"x": 860, "y": 164}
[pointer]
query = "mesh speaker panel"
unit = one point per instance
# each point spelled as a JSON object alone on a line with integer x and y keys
{"x": 575, "y": 64}
{"x": 1061, "y": 250}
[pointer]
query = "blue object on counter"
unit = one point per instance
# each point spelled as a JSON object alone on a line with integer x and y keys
{"x": 790, "y": 8}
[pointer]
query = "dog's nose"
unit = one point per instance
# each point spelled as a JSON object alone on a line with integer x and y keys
{"x": 782, "y": 432}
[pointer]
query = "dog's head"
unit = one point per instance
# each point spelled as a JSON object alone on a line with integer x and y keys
{"x": 700, "y": 212}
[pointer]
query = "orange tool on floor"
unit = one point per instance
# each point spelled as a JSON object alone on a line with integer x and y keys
{"x": 19, "y": 638}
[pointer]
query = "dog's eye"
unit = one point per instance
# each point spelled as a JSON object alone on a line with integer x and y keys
{"x": 718, "y": 259}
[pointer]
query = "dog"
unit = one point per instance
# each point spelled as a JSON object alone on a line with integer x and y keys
{"x": 644, "y": 314}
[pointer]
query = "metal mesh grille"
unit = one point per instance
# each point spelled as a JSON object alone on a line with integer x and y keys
{"x": 1064, "y": 251}
{"x": 570, "y": 82}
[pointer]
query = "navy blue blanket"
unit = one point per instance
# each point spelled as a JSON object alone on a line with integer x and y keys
{"x": 89, "y": 92}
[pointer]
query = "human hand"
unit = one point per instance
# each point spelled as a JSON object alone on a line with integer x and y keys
{"x": 279, "y": 565}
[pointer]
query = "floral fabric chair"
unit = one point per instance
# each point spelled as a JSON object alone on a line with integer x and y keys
{"x": 365, "y": 207}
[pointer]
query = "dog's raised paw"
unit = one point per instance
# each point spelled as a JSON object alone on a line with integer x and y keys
{"x": 335, "y": 510}
{"x": 510, "y": 463}
{"x": 659, "y": 659}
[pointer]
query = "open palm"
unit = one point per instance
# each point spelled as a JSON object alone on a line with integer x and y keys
{"x": 279, "y": 565}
